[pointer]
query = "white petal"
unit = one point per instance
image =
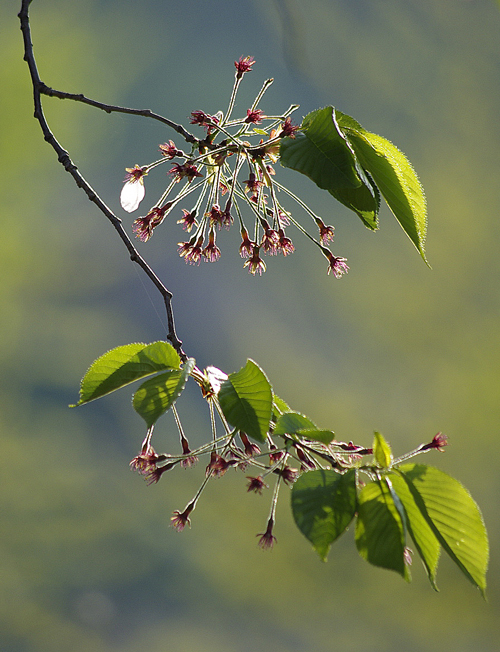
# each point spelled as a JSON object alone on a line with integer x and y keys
{"x": 216, "y": 378}
{"x": 131, "y": 195}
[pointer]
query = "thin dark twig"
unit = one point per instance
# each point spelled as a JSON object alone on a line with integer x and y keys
{"x": 69, "y": 166}
{"x": 110, "y": 108}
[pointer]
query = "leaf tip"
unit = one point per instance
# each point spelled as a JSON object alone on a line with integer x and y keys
{"x": 482, "y": 588}
{"x": 322, "y": 553}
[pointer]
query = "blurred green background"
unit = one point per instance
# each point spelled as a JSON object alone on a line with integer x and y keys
{"x": 88, "y": 560}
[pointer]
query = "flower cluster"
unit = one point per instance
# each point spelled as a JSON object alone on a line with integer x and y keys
{"x": 229, "y": 173}
{"x": 280, "y": 457}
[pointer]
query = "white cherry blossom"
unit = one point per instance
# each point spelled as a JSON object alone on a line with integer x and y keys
{"x": 133, "y": 190}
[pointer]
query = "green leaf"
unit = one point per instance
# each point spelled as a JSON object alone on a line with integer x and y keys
{"x": 380, "y": 531}
{"x": 454, "y": 517}
{"x": 381, "y": 451}
{"x": 296, "y": 423}
{"x": 292, "y": 422}
{"x": 425, "y": 541}
{"x": 323, "y": 505}
{"x": 246, "y": 399}
{"x": 123, "y": 365}
{"x": 279, "y": 407}
{"x": 364, "y": 201}
{"x": 324, "y": 436}
{"x": 394, "y": 175}
{"x": 158, "y": 394}
{"x": 321, "y": 152}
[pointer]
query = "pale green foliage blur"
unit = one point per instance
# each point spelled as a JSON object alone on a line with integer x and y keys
{"x": 88, "y": 560}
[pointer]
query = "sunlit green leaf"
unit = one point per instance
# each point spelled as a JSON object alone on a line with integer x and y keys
{"x": 323, "y": 505}
{"x": 380, "y": 532}
{"x": 324, "y": 436}
{"x": 291, "y": 422}
{"x": 454, "y": 518}
{"x": 158, "y": 394}
{"x": 425, "y": 541}
{"x": 123, "y": 365}
{"x": 295, "y": 423}
{"x": 394, "y": 175}
{"x": 364, "y": 200}
{"x": 279, "y": 407}
{"x": 246, "y": 399}
{"x": 381, "y": 451}
{"x": 321, "y": 152}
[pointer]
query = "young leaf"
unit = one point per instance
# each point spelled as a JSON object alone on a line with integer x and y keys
{"x": 421, "y": 532}
{"x": 381, "y": 451}
{"x": 380, "y": 532}
{"x": 321, "y": 152}
{"x": 394, "y": 175}
{"x": 279, "y": 407}
{"x": 246, "y": 399}
{"x": 291, "y": 423}
{"x": 124, "y": 364}
{"x": 454, "y": 518}
{"x": 324, "y": 436}
{"x": 364, "y": 200}
{"x": 323, "y": 505}
{"x": 294, "y": 423}
{"x": 158, "y": 394}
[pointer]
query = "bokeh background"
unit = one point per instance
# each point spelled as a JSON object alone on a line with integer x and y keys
{"x": 88, "y": 560}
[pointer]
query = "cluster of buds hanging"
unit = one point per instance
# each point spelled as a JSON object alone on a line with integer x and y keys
{"x": 226, "y": 171}
{"x": 281, "y": 459}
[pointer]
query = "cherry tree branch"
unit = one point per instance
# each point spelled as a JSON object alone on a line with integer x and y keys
{"x": 63, "y": 157}
{"x": 110, "y": 108}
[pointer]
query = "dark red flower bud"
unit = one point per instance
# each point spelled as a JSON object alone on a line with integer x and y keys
{"x": 251, "y": 449}
{"x": 285, "y": 245}
{"x": 211, "y": 253}
{"x": 255, "y": 264}
{"x": 155, "y": 474}
{"x": 438, "y": 442}
{"x": 179, "y": 520}
{"x": 326, "y": 233}
{"x": 218, "y": 465}
{"x": 288, "y": 474}
{"x": 288, "y": 129}
{"x": 188, "y": 220}
{"x": 186, "y": 170}
{"x": 243, "y": 65}
{"x": 337, "y": 265}
{"x": 204, "y": 120}
{"x": 247, "y": 246}
{"x": 256, "y": 484}
{"x": 267, "y": 539}
{"x": 216, "y": 217}
{"x": 253, "y": 184}
{"x": 254, "y": 117}
{"x": 307, "y": 463}
{"x": 270, "y": 239}
{"x": 191, "y": 252}
{"x": 275, "y": 456}
{"x": 143, "y": 227}
{"x": 169, "y": 150}
{"x": 145, "y": 462}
